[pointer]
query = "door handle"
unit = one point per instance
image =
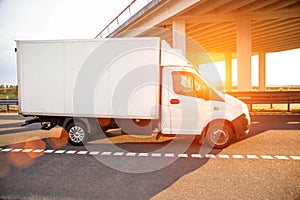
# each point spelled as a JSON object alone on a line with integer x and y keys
{"x": 174, "y": 101}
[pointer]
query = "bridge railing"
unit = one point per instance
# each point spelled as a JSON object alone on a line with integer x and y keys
{"x": 134, "y": 7}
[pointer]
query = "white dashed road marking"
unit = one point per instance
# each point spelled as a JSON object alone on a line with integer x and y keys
{"x": 252, "y": 156}
{"x": 106, "y": 153}
{"x": 183, "y": 155}
{"x": 154, "y": 154}
{"x": 49, "y": 151}
{"x": 118, "y": 153}
{"x": 143, "y": 154}
{"x": 94, "y": 152}
{"x": 38, "y": 151}
{"x": 282, "y": 157}
{"x": 210, "y": 156}
{"x": 17, "y": 150}
{"x": 194, "y": 155}
{"x": 6, "y": 150}
{"x": 295, "y": 157}
{"x": 223, "y": 156}
{"x": 60, "y": 151}
{"x": 70, "y": 152}
{"x": 82, "y": 152}
{"x": 27, "y": 150}
{"x": 130, "y": 154}
{"x": 237, "y": 156}
{"x": 169, "y": 155}
{"x": 266, "y": 157}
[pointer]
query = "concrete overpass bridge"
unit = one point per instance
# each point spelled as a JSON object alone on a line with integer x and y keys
{"x": 214, "y": 30}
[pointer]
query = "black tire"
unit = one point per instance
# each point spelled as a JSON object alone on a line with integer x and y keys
{"x": 78, "y": 134}
{"x": 219, "y": 135}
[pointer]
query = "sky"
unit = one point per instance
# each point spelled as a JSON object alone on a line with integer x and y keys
{"x": 282, "y": 69}
{"x": 49, "y": 19}
{"x": 78, "y": 19}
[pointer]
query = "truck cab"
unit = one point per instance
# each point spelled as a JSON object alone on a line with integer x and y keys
{"x": 192, "y": 106}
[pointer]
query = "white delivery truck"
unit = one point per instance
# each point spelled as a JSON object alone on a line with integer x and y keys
{"x": 136, "y": 84}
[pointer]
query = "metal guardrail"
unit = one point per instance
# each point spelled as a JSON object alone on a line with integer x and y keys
{"x": 268, "y": 97}
{"x": 8, "y": 102}
{"x": 250, "y": 98}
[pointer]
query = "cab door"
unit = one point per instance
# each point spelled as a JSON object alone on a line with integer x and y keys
{"x": 185, "y": 108}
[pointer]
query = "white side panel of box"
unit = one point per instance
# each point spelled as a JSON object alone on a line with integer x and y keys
{"x": 42, "y": 78}
{"x": 76, "y": 54}
{"x": 103, "y": 78}
{"x": 132, "y": 83}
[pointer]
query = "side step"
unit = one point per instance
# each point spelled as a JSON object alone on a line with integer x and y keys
{"x": 48, "y": 126}
{"x": 31, "y": 121}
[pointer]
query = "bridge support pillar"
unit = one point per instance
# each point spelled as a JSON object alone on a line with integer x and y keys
{"x": 228, "y": 71}
{"x": 262, "y": 71}
{"x": 244, "y": 50}
{"x": 179, "y": 39}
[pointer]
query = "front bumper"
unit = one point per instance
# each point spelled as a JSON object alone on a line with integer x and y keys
{"x": 241, "y": 125}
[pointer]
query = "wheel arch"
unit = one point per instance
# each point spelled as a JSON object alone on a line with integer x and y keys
{"x": 70, "y": 120}
{"x": 218, "y": 120}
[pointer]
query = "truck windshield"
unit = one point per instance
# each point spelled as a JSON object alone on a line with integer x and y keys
{"x": 215, "y": 92}
{"x": 211, "y": 85}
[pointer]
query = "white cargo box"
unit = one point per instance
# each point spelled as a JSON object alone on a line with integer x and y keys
{"x": 116, "y": 78}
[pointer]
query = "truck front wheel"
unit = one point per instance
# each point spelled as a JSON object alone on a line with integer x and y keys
{"x": 219, "y": 135}
{"x": 78, "y": 134}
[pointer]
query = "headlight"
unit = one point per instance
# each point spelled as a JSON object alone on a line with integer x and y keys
{"x": 245, "y": 110}
{"x": 244, "y": 107}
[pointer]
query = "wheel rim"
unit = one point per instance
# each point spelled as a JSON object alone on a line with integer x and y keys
{"x": 219, "y": 137}
{"x": 76, "y": 134}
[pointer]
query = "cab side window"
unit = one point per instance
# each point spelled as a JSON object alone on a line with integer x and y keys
{"x": 189, "y": 85}
{"x": 183, "y": 84}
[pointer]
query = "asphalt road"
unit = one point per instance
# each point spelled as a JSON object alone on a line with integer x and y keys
{"x": 37, "y": 164}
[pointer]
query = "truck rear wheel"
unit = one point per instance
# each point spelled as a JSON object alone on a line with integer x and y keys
{"x": 78, "y": 134}
{"x": 219, "y": 135}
